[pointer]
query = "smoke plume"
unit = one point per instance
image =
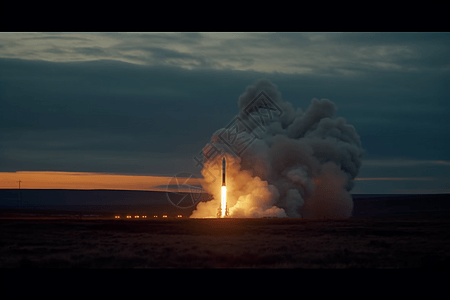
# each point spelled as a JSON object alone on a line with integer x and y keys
{"x": 302, "y": 165}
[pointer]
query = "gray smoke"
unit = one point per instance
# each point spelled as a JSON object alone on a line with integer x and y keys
{"x": 303, "y": 165}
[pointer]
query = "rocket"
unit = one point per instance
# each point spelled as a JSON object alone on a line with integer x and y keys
{"x": 222, "y": 211}
{"x": 223, "y": 171}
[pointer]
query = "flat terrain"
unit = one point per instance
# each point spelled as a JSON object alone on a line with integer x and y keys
{"x": 402, "y": 242}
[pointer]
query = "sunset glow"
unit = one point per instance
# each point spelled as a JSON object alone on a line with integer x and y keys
{"x": 86, "y": 181}
{"x": 102, "y": 181}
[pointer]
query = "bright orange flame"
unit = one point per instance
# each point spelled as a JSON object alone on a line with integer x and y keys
{"x": 164, "y": 216}
{"x": 224, "y": 200}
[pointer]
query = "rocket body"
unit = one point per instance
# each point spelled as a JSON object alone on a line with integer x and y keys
{"x": 223, "y": 171}
{"x": 223, "y": 208}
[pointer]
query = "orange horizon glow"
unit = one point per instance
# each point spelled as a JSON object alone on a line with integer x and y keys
{"x": 88, "y": 181}
{"x": 99, "y": 181}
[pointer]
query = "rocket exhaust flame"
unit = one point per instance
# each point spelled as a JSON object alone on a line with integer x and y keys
{"x": 223, "y": 203}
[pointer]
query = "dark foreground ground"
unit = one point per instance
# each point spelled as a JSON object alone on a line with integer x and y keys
{"x": 401, "y": 242}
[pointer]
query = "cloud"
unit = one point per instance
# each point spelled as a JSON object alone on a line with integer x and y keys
{"x": 393, "y": 175}
{"x": 395, "y": 178}
{"x": 54, "y": 37}
{"x": 346, "y": 54}
{"x": 91, "y": 51}
{"x": 55, "y": 51}
{"x": 401, "y": 162}
{"x": 161, "y": 56}
{"x": 154, "y": 38}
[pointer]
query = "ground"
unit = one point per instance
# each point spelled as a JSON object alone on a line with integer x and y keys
{"x": 408, "y": 242}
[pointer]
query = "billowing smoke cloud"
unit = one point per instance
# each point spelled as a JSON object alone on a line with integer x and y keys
{"x": 303, "y": 165}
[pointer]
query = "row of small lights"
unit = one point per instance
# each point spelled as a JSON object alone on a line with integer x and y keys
{"x": 144, "y": 217}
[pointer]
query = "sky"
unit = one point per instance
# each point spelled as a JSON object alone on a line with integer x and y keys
{"x": 145, "y": 104}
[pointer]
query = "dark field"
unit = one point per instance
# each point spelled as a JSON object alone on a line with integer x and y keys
{"x": 400, "y": 242}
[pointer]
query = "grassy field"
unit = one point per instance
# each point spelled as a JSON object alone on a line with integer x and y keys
{"x": 226, "y": 243}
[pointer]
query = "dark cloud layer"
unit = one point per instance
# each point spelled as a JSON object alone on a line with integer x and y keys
{"x": 109, "y": 116}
